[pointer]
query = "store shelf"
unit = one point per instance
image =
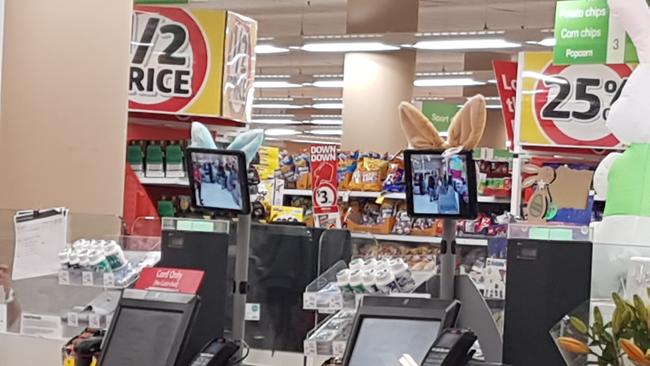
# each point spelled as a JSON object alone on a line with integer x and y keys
{"x": 174, "y": 182}
{"x": 395, "y": 196}
{"x": 420, "y": 239}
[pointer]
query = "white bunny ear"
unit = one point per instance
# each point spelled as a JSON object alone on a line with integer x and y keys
{"x": 531, "y": 168}
{"x": 529, "y": 181}
{"x": 634, "y": 16}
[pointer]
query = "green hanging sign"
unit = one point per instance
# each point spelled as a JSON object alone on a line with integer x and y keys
{"x": 440, "y": 114}
{"x": 585, "y": 33}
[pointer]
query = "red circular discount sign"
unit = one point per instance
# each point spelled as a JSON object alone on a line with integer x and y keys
{"x": 325, "y": 195}
{"x": 169, "y": 59}
{"x": 572, "y": 103}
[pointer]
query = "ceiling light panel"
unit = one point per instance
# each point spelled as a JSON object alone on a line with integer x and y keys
{"x": 348, "y": 47}
{"x": 326, "y": 132}
{"x": 327, "y": 122}
{"x": 328, "y": 106}
{"x": 273, "y": 84}
{"x": 276, "y": 106}
{"x": 281, "y": 132}
{"x": 267, "y": 49}
{"x": 445, "y": 82}
{"x": 328, "y": 83}
{"x": 466, "y": 44}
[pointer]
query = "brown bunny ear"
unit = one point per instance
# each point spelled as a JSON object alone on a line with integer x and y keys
{"x": 468, "y": 125}
{"x": 419, "y": 131}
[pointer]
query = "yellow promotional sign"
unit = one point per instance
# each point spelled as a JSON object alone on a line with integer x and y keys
{"x": 567, "y": 105}
{"x": 269, "y": 162}
{"x": 181, "y": 62}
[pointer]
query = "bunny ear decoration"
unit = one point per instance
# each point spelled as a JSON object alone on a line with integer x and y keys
{"x": 634, "y": 16}
{"x": 419, "y": 131}
{"x": 468, "y": 125}
{"x": 249, "y": 142}
{"x": 529, "y": 181}
{"x": 201, "y": 137}
{"x": 531, "y": 168}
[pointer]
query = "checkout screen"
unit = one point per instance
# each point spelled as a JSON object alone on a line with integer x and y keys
{"x": 393, "y": 342}
{"x": 142, "y": 337}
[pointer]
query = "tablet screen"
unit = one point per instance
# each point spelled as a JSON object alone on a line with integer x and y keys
{"x": 218, "y": 180}
{"x": 441, "y": 186}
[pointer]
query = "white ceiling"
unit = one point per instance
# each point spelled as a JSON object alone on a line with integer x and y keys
{"x": 288, "y": 22}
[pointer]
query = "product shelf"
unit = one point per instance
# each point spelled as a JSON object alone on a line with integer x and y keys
{"x": 481, "y": 242}
{"x": 164, "y": 181}
{"x": 324, "y": 296}
{"x": 122, "y": 278}
{"x": 330, "y": 338}
{"x": 395, "y": 196}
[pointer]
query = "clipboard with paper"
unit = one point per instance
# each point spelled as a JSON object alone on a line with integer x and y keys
{"x": 39, "y": 236}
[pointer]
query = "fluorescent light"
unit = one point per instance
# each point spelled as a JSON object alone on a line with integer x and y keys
{"x": 330, "y": 122}
{"x": 326, "y": 132}
{"x": 275, "y": 84}
{"x": 441, "y": 82}
{"x": 493, "y": 106}
{"x": 328, "y": 83}
{"x": 546, "y": 42}
{"x": 275, "y": 122}
{"x": 466, "y": 44}
{"x": 547, "y": 78}
{"x": 328, "y": 106}
{"x": 276, "y": 106}
{"x": 273, "y": 76}
{"x": 268, "y": 115}
{"x": 348, "y": 47}
{"x": 325, "y": 99}
{"x": 492, "y": 81}
{"x": 265, "y": 49}
{"x": 274, "y": 99}
{"x": 281, "y": 132}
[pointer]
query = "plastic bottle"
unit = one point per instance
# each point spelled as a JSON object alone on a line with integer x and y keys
{"x": 74, "y": 260}
{"x": 64, "y": 258}
{"x": 385, "y": 281}
{"x": 369, "y": 281}
{"x": 382, "y": 264}
{"x": 356, "y": 264}
{"x": 403, "y": 275}
{"x": 114, "y": 255}
{"x": 343, "y": 281}
{"x": 356, "y": 282}
{"x": 98, "y": 261}
{"x": 370, "y": 263}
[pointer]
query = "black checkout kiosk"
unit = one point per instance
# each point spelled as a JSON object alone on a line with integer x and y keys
{"x": 169, "y": 329}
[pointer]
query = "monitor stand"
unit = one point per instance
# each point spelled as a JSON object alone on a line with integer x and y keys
{"x": 241, "y": 281}
{"x": 475, "y": 314}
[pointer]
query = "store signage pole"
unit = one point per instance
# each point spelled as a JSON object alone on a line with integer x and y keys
{"x": 448, "y": 259}
{"x": 241, "y": 278}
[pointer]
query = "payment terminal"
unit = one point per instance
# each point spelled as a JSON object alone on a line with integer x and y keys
{"x": 216, "y": 353}
{"x": 453, "y": 347}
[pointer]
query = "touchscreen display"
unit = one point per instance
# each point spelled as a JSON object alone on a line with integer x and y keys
{"x": 393, "y": 341}
{"x": 218, "y": 181}
{"x": 142, "y": 337}
{"x": 441, "y": 186}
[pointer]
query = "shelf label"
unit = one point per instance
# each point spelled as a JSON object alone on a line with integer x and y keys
{"x": 310, "y": 348}
{"x": 338, "y": 348}
{"x": 309, "y": 301}
{"x": 109, "y": 279}
{"x": 64, "y": 278}
{"x": 73, "y": 319}
{"x": 336, "y": 302}
{"x": 87, "y": 278}
{"x": 253, "y": 311}
{"x": 94, "y": 321}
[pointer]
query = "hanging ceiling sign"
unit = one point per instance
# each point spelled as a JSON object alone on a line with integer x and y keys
{"x": 567, "y": 105}
{"x": 195, "y": 62}
{"x": 586, "y": 33}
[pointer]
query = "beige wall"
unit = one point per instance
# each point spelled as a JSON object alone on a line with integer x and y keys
{"x": 64, "y": 104}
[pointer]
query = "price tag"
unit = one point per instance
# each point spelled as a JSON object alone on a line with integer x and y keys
{"x": 309, "y": 301}
{"x": 109, "y": 279}
{"x": 336, "y": 301}
{"x": 87, "y": 278}
{"x": 94, "y": 321}
{"x": 64, "y": 278}
{"x": 310, "y": 348}
{"x": 338, "y": 348}
{"x": 73, "y": 319}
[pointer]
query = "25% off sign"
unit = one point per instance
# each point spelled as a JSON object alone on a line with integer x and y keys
{"x": 572, "y": 103}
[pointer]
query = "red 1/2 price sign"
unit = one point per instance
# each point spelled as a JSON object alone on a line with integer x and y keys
{"x": 568, "y": 106}
{"x": 325, "y": 195}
